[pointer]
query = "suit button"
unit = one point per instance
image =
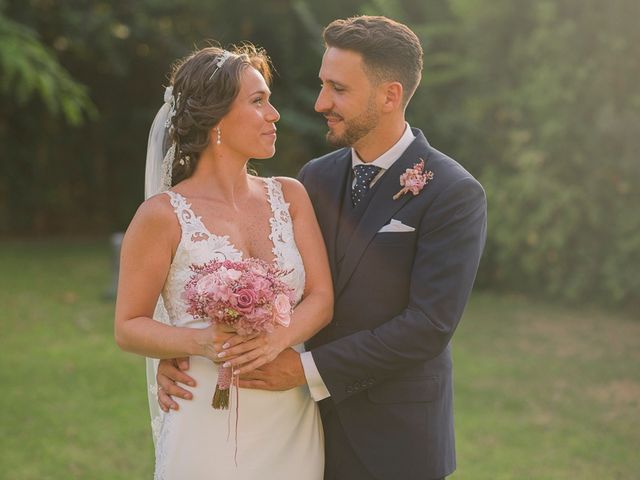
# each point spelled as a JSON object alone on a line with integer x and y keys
{"x": 357, "y": 385}
{"x": 371, "y": 381}
{"x": 348, "y": 389}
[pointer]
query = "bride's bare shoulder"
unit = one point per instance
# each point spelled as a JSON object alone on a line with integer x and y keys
{"x": 294, "y": 193}
{"x": 155, "y": 216}
{"x": 152, "y": 235}
{"x": 291, "y": 187}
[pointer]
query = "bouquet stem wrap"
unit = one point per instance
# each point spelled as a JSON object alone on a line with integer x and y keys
{"x": 220, "y": 400}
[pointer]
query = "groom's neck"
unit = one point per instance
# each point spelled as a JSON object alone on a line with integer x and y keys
{"x": 384, "y": 136}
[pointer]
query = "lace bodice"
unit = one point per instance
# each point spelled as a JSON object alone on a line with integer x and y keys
{"x": 198, "y": 245}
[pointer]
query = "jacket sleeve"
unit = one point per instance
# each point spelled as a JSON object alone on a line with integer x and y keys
{"x": 451, "y": 239}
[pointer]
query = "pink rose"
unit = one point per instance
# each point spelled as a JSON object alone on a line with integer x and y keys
{"x": 246, "y": 299}
{"x": 282, "y": 309}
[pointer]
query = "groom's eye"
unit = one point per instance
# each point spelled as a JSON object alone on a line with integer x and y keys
{"x": 335, "y": 87}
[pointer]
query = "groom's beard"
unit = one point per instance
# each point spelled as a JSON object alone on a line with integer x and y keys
{"x": 356, "y": 128}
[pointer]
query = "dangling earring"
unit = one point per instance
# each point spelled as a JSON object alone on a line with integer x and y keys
{"x": 219, "y": 140}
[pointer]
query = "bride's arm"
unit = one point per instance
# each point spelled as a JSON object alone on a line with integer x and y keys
{"x": 316, "y": 308}
{"x": 146, "y": 254}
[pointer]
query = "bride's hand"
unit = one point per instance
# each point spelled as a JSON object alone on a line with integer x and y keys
{"x": 253, "y": 352}
{"x": 212, "y": 339}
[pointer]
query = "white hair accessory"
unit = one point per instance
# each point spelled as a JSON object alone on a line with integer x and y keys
{"x": 170, "y": 100}
{"x": 220, "y": 61}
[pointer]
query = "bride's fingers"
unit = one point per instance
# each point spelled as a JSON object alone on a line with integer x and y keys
{"x": 252, "y": 365}
{"x": 233, "y": 341}
{"x": 245, "y": 358}
{"x": 222, "y": 360}
{"x": 220, "y": 346}
{"x": 241, "y": 348}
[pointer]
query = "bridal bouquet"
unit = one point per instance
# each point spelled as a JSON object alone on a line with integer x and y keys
{"x": 248, "y": 296}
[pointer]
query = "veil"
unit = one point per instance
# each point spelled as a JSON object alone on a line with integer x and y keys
{"x": 157, "y": 179}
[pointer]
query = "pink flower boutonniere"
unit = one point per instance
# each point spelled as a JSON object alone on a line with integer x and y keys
{"x": 414, "y": 179}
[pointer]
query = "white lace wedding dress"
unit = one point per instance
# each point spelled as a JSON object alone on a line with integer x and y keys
{"x": 279, "y": 434}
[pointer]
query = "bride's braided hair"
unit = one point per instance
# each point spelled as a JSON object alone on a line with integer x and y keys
{"x": 203, "y": 98}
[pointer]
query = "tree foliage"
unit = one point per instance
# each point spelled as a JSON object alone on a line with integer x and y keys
{"x": 563, "y": 180}
{"x": 538, "y": 99}
{"x": 28, "y": 69}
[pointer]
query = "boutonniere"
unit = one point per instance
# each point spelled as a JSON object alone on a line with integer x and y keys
{"x": 414, "y": 179}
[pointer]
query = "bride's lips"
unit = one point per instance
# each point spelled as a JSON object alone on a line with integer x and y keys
{"x": 270, "y": 133}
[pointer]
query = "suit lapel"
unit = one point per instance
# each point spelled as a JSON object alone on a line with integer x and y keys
{"x": 381, "y": 208}
{"x": 328, "y": 216}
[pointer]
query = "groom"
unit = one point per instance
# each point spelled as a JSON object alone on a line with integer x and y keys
{"x": 403, "y": 264}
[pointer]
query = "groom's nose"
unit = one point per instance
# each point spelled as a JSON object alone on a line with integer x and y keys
{"x": 323, "y": 102}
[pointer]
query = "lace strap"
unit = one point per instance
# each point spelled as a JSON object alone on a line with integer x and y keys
{"x": 281, "y": 223}
{"x": 191, "y": 224}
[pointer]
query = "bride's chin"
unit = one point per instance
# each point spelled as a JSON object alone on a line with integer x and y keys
{"x": 266, "y": 155}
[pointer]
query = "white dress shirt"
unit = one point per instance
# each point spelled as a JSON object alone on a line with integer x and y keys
{"x": 317, "y": 387}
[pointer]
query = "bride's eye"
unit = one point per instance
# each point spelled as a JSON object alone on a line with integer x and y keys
{"x": 258, "y": 101}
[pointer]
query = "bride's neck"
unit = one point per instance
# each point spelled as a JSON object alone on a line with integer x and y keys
{"x": 221, "y": 176}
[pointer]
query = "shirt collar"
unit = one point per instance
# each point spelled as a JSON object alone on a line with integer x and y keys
{"x": 389, "y": 157}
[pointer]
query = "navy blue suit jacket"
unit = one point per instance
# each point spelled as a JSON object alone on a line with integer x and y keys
{"x": 386, "y": 357}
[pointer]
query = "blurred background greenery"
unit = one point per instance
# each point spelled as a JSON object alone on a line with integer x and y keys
{"x": 540, "y": 100}
{"x": 542, "y": 392}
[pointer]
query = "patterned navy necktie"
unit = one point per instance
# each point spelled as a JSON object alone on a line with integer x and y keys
{"x": 364, "y": 174}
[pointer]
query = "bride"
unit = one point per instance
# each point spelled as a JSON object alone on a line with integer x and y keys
{"x": 203, "y": 205}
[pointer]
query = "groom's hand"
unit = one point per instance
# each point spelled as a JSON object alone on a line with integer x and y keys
{"x": 170, "y": 371}
{"x": 283, "y": 373}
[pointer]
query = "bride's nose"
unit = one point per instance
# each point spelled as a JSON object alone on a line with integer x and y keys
{"x": 272, "y": 115}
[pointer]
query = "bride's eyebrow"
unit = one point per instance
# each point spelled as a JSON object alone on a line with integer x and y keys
{"x": 261, "y": 92}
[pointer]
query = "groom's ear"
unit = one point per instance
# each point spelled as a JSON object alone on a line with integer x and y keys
{"x": 391, "y": 93}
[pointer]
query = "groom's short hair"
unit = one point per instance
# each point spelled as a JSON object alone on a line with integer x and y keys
{"x": 390, "y": 50}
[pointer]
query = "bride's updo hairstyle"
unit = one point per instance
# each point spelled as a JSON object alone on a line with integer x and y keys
{"x": 203, "y": 93}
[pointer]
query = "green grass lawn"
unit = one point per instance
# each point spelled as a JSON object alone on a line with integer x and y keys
{"x": 542, "y": 392}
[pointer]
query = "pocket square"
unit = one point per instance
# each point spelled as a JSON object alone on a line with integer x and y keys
{"x": 396, "y": 226}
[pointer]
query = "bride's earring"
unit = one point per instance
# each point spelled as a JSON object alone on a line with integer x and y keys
{"x": 219, "y": 139}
